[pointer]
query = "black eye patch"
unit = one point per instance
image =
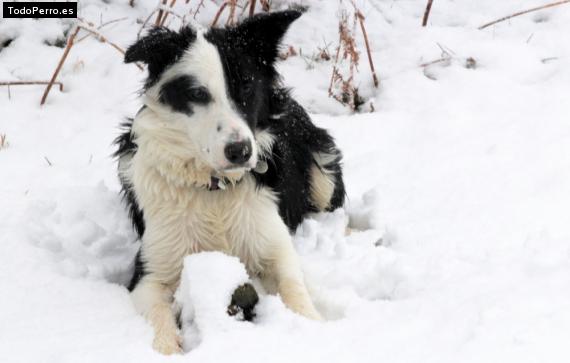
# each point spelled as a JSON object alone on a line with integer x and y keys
{"x": 180, "y": 92}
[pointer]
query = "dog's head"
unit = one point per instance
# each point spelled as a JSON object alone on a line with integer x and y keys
{"x": 210, "y": 87}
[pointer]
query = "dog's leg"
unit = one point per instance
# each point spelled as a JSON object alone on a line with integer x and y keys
{"x": 153, "y": 300}
{"x": 282, "y": 265}
{"x": 288, "y": 274}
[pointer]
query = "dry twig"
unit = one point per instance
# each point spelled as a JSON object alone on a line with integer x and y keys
{"x": 172, "y": 2}
{"x": 523, "y": 13}
{"x": 100, "y": 27}
{"x": 200, "y": 5}
{"x": 88, "y": 27}
{"x": 3, "y": 141}
{"x": 60, "y": 64}
{"x": 252, "y": 7}
{"x": 25, "y": 83}
{"x": 370, "y": 62}
{"x": 219, "y": 12}
{"x": 160, "y": 12}
{"x": 426, "y": 13}
{"x": 265, "y": 5}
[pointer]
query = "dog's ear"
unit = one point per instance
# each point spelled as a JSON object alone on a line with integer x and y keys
{"x": 262, "y": 33}
{"x": 159, "y": 48}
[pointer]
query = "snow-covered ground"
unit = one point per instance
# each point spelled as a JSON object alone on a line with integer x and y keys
{"x": 458, "y": 194}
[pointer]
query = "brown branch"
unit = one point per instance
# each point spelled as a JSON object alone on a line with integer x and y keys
{"x": 103, "y": 39}
{"x": 231, "y": 16}
{"x": 26, "y": 83}
{"x": 523, "y": 13}
{"x": 370, "y": 62}
{"x": 200, "y": 5}
{"x": 172, "y": 2}
{"x": 440, "y": 60}
{"x": 265, "y": 5}
{"x": 60, "y": 64}
{"x": 145, "y": 22}
{"x": 335, "y": 71}
{"x": 220, "y": 11}
{"x": 160, "y": 11}
{"x": 100, "y": 27}
{"x": 252, "y": 7}
{"x": 426, "y": 13}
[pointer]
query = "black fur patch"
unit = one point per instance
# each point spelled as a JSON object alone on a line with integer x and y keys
{"x": 160, "y": 48}
{"x": 126, "y": 148}
{"x": 181, "y": 92}
{"x": 289, "y": 164}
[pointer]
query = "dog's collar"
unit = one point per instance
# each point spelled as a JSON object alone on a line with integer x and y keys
{"x": 217, "y": 183}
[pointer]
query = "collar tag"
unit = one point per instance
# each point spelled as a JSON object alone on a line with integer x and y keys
{"x": 261, "y": 167}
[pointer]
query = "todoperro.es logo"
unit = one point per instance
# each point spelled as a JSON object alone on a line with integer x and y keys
{"x": 40, "y": 9}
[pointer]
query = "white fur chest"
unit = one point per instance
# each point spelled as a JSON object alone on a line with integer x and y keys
{"x": 182, "y": 219}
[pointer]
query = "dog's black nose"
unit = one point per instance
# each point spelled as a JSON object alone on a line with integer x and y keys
{"x": 238, "y": 152}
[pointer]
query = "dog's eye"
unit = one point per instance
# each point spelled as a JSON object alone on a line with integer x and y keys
{"x": 199, "y": 94}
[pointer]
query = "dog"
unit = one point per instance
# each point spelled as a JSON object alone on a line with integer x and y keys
{"x": 220, "y": 157}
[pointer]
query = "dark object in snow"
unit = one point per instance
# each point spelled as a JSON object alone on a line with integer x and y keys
{"x": 244, "y": 300}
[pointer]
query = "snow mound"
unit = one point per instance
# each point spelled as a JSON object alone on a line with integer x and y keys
{"x": 85, "y": 233}
{"x": 207, "y": 283}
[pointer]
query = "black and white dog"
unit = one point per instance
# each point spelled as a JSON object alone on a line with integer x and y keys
{"x": 220, "y": 157}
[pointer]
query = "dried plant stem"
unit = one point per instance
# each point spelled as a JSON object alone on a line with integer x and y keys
{"x": 335, "y": 70}
{"x": 100, "y": 27}
{"x": 25, "y": 83}
{"x": 200, "y": 5}
{"x": 231, "y": 16}
{"x": 427, "y": 12}
{"x": 523, "y": 13}
{"x": 160, "y": 12}
{"x": 220, "y": 11}
{"x": 102, "y": 38}
{"x": 265, "y": 5}
{"x": 172, "y": 2}
{"x": 252, "y": 7}
{"x": 370, "y": 62}
{"x": 60, "y": 64}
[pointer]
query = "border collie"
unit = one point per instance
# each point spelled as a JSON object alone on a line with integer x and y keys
{"x": 220, "y": 157}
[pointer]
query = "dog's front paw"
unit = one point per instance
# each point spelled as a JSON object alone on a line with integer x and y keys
{"x": 168, "y": 344}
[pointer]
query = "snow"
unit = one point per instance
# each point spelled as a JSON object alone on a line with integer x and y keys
{"x": 458, "y": 196}
{"x": 207, "y": 283}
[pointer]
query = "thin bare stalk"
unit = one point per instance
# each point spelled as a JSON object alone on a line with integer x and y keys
{"x": 220, "y": 11}
{"x": 200, "y": 5}
{"x": 265, "y": 5}
{"x": 101, "y": 38}
{"x": 252, "y": 7}
{"x": 427, "y": 12}
{"x": 60, "y": 64}
{"x": 172, "y": 2}
{"x": 523, "y": 13}
{"x": 100, "y": 27}
{"x": 160, "y": 12}
{"x": 26, "y": 83}
{"x": 370, "y": 62}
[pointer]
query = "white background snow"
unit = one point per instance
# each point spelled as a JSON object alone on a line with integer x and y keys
{"x": 458, "y": 194}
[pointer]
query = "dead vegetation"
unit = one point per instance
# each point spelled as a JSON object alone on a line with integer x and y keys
{"x": 427, "y": 12}
{"x": 551, "y": 5}
{"x": 3, "y": 141}
{"x": 342, "y": 86}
